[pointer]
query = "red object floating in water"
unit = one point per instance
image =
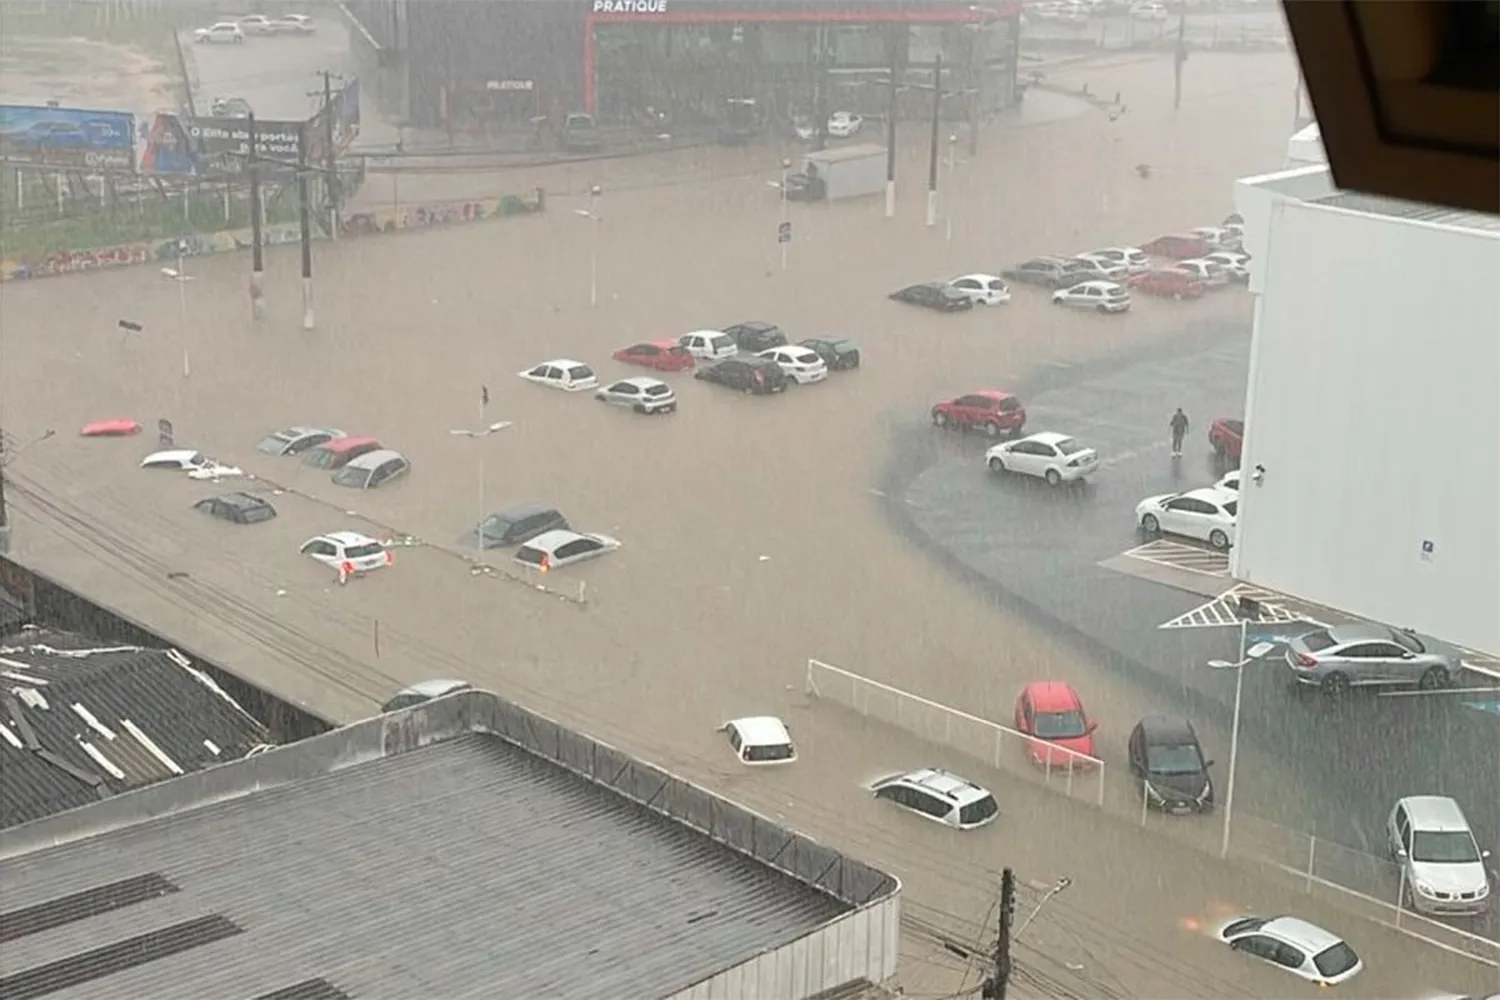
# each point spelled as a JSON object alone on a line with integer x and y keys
{"x": 110, "y": 428}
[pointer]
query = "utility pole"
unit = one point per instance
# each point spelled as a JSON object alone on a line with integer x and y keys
{"x": 998, "y": 982}
{"x": 305, "y": 227}
{"x": 890, "y": 132}
{"x": 932, "y": 160}
{"x": 331, "y": 154}
{"x": 257, "y": 261}
{"x": 4, "y": 510}
{"x": 976, "y": 80}
{"x": 1179, "y": 56}
{"x": 820, "y": 87}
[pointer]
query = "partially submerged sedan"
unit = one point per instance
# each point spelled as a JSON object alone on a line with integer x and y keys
{"x": 296, "y": 440}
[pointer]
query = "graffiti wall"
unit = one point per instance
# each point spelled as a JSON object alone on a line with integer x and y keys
{"x": 383, "y": 220}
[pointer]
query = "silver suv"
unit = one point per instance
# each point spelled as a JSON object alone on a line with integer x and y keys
{"x": 940, "y": 796}
{"x": 1335, "y": 659}
{"x": 1443, "y": 867}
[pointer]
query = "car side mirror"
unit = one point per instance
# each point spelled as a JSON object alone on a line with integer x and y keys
{"x": 1207, "y": 764}
{"x": 1400, "y": 852}
{"x": 1093, "y": 726}
{"x": 1484, "y": 854}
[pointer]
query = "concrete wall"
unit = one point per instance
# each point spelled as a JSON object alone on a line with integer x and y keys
{"x": 862, "y": 944}
{"x": 1374, "y": 407}
{"x": 1254, "y": 196}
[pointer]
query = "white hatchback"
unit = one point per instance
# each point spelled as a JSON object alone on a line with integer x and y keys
{"x": 1210, "y": 272}
{"x": 1301, "y": 948}
{"x": 196, "y": 464}
{"x": 1235, "y": 263}
{"x": 224, "y": 31}
{"x": 1105, "y": 296}
{"x": 939, "y": 796}
{"x": 349, "y": 552}
{"x": 1430, "y": 838}
{"x": 1207, "y": 515}
{"x": 1133, "y": 258}
{"x": 560, "y": 547}
{"x": 562, "y": 373}
{"x": 803, "y": 364}
{"x": 760, "y": 740}
{"x": 709, "y": 345}
{"x": 642, "y": 394}
{"x": 1048, "y": 455}
{"x": 982, "y": 289}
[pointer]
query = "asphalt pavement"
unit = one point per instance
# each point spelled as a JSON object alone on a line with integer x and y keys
{"x": 1045, "y": 547}
{"x": 280, "y": 75}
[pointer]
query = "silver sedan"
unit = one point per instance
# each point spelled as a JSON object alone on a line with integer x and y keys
{"x": 1366, "y": 655}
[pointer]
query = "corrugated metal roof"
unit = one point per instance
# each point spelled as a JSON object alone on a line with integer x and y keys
{"x": 1416, "y": 211}
{"x": 79, "y": 722}
{"x": 467, "y": 868}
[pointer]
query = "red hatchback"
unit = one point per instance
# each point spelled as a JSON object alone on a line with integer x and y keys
{"x": 1052, "y": 713}
{"x": 1177, "y": 247}
{"x": 989, "y": 410}
{"x": 1172, "y": 284}
{"x": 658, "y": 355}
{"x": 1227, "y": 437}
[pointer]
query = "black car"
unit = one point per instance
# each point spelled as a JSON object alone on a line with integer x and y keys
{"x": 1050, "y": 272}
{"x": 241, "y": 508}
{"x": 747, "y": 374}
{"x": 755, "y": 336}
{"x": 579, "y": 134}
{"x": 1167, "y": 759}
{"x": 515, "y": 525}
{"x": 934, "y": 295}
{"x": 838, "y": 353}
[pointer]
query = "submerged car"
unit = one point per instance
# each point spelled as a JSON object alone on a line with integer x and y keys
{"x": 803, "y": 364}
{"x": 759, "y": 740}
{"x": 422, "y": 692}
{"x": 643, "y": 395}
{"x": 1166, "y": 758}
{"x": 554, "y": 549}
{"x": 983, "y": 289}
{"x": 196, "y": 464}
{"x": 562, "y": 373}
{"x": 515, "y": 525}
{"x": 237, "y": 508}
{"x": 339, "y": 452}
{"x": 1301, "y": 948}
{"x": 838, "y": 353}
{"x": 756, "y": 336}
{"x": 753, "y": 375}
{"x": 934, "y": 295}
{"x": 1103, "y": 296}
{"x": 935, "y": 794}
{"x": 349, "y": 552}
{"x": 372, "y": 470}
{"x": 658, "y": 355}
{"x": 1062, "y": 734}
{"x": 296, "y": 440}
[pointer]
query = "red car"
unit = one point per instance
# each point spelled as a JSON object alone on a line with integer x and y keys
{"x": 110, "y": 428}
{"x": 658, "y": 355}
{"x": 989, "y": 410}
{"x": 1172, "y": 284}
{"x": 1177, "y": 247}
{"x": 1227, "y": 436}
{"x": 1052, "y": 712}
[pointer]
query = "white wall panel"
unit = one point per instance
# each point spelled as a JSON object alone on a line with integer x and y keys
{"x": 1374, "y": 406}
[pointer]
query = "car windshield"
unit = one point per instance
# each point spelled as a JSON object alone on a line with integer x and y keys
{"x": 719, "y": 343}
{"x": 658, "y": 390}
{"x": 497, "y": 524}
{"x": 351, "y": 475}
{"x": 363, "y": 550}
{"x": 527, "y": 554}
{"x": 1336, "y": 960}
{"x": 580, "y": 372}
{"x": 778, "y": 751}
{"x": 1176, "y": 759}
{"x": 1449, "y": 847}
{"x": 978, "y": 811}
{"x": 1060, "y": 725}
{"x": 274, "y": 442}
{"x": 1318, "y": 641}
{"x": 320, "y": 458}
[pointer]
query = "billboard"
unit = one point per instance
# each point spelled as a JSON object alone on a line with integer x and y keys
{"x": 222, "y": 145}
{"x": 67, "y": 138}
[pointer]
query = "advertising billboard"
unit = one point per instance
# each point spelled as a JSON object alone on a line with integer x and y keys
{"x": 222, "y": 145}
{"x": 67, "y": 138}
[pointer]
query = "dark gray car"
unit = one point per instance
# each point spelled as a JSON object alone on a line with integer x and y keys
{"x": 515, "y": 525}
{"x": 1366, "y": 655}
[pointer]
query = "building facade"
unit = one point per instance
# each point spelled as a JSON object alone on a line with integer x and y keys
{"x": 505, "y": 63}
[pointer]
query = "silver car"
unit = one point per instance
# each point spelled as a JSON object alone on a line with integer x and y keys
{"x": 643, "y": 395}
{"x": 1338, "y": 658}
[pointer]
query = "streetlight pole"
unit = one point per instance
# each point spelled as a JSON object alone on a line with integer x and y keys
{"x": 1247, "y": 656}
{"x": 786, "y": 166}
{"x": 932, "y": 162}
{"x": 592, "y": 214}
{"x": 180, "y": 275}
{"x": 484, "y": 430}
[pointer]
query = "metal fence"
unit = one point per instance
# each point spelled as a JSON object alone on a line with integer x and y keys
{"x": 1073, "y": 774}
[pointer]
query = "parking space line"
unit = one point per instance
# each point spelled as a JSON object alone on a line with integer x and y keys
{"x": 1175, "y": 555}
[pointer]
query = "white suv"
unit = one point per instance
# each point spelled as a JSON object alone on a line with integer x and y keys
{"x": 1442, "y": 865}
{"x": 940, "y": 796}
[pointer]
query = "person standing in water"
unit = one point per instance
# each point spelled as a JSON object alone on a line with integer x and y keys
{"x": 1179, "y": 427}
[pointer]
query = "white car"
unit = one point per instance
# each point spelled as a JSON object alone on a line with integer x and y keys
{"x": 1210, "y": 272}
{"x": 553, "y": 549}
{"x": 1301, "y": 948}
{"x": 709, "y": 345}
{"x": 1133, "y": 259}
{"x": 562, "y": 373}
{"x": 843, "y": 124}
{"x": 196, "y": 464}
{"x": 1219, "y": 237}
{"x": 803, "y": 364}
{"x": 1207, "y": 515}
{"x": 1236, "y": 263}
{"x": 642, "y": 394}
{"x": 1430, "y": 838}
{"x": 221, "y": 33}
{"x": 292, "y": 24}
{"x": 255, "y": 24}
{"x": 1101, "y": 269}
{"x": 1149, "y": 12}
{"x": 1105, "y": 296}
{"x": 349, "y": 552}
{"x": 939, "y": 796}
{"x": 1229, "y": 482}
{"x": 760, "y": 740}
{"x": 1047, "y": 455}
{"x": 982, "y": 289}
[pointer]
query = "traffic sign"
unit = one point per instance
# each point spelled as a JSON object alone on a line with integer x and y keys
{"x": 784, "y": 233}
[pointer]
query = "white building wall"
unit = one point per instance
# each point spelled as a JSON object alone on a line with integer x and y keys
{"x": 1374, "y": 408}
{"x": 864, "y": 944}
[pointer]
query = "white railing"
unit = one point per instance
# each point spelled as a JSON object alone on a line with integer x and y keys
{"x": 1075, "y": 774}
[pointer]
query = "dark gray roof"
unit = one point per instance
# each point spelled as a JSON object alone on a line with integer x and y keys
{"x": 466, "y": 866}
{"x": 96, "y": 721}
{"x": 1416, "y": 211}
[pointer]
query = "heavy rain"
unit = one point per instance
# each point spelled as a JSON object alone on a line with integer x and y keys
{"x": 911, "y": 530}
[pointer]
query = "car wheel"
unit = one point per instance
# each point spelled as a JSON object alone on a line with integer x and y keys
{"x": 1054, "y": 478}
{"x": 1336, "y": 685}
{"x": 1434, "y": 678}
{"x": 940, "y": 419}
{"x": 1103, "y": 309}
{"x": 1150, "y": 525}
{"x": 992, "y": 429}
{"x": 1218, "y": 539}
{"x": 996, "y": 465}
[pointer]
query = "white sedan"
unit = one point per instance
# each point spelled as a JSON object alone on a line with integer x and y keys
{"x": 1303, "y": 949}
{"x": 1207, "y": 515}
{"x": 803, "y": 364}
{"x": 709, "y": 345}
{"x": 349, "y": 552}
{"x": 843, "y": 124}
{"x": 224, "y": 32}
{"x": 560, "y": 547}
{"x": 1236, "y": 263}
{"x": 1054, "y": 457}
{"x": 196, "y": 464}
{"x": 982, "y": 289}
{"x": 564, "y": 374}
{"x": 1210, "y": 272}
{"x": 1105, "y": 296}
{"x": 1134, "y": 259}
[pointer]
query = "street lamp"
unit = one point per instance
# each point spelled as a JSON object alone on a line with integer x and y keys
{"x": 592, "y": 214}
{"x": 1247, "y": 656}
{"x": 180, "y": 275}
{"x": 786, "y": 166}
{"x": 482, "y": 432}
{"x": 1062, "y": 883}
